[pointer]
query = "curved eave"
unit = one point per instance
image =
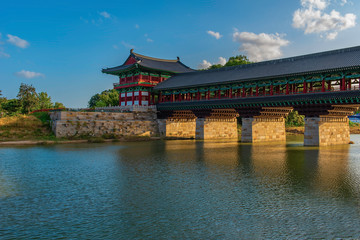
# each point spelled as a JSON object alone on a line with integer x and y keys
{"x": 159, "y": 88}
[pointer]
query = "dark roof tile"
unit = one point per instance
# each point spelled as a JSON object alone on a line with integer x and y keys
{"x": 347, "y": 58}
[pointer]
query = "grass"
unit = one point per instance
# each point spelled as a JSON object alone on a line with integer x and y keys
{"x": 26, "y": 127}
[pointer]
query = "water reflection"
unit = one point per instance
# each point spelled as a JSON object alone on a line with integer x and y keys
{"x": 180, "y": 189}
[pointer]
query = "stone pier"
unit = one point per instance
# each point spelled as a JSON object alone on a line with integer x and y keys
{"x": 210, "y": 128}
{"x": 256, "y": 130}
{"x": 267, "y": 126}
{"x": 324, "y": 131}
{"x": 331, "y": 128}
{"x": 179, "y": 128}
{"x": 216, "y": 124}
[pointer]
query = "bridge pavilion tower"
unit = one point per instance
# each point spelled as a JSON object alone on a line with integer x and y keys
{"x": 139, "y": 74}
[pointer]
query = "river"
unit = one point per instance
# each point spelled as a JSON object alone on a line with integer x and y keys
{"x": 180, "y": 190}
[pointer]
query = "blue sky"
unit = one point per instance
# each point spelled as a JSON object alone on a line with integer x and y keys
{"x": 61, "y": 46}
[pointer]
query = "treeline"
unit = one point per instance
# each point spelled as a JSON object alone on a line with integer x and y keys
{"x": 27, "y": 100}
{"x": 107, "y": 98}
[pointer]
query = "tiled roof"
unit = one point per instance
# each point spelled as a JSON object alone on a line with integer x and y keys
{"x": 336, "y": 60}
{"x": 174, "y": 66}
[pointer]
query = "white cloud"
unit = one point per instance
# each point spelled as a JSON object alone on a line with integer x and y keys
{"x": 115, "y": 46}
{"x": 312, "y": 19}
{"x": 21, "y": 43}
{"x": 222, "y": 61}
{"x": 147, "y": 38}
{"x": 205, "y": 64}
{"x": 28, "y": 74}
{"x": 137, "y": 26}
{"x": 214, "y": 34}
{"x": 259, "y": 47}
{"x": 128, "y": 45}
{"x": 343, "y": 2}
{"x": 4, "y": 54}
{"x": 105, "y": 14}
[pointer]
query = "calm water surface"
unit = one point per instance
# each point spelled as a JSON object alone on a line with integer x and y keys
{"x": 180, "y": 190}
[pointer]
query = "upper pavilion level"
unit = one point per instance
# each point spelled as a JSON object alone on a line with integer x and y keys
{"x": 139, "y": 74}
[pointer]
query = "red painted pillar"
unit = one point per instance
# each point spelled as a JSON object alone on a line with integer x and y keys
{"x": 257, "y": 91}
{"x": 219, "y": 94}
{"x": 244, "y": 92}
{"x": 287, "y": 88}
{"x": 271, "y": 90}
{"x": 343, "y": 84}
{"x": 198, "y": 96}
{"x": 349, "y": 84}
{"x": 323, "y": 85}
{"x": 305, "y": 87}
{"x": 179, "y": 97}
{"x": 140, "y": 98}
{"x": 125, "y": 98}
{"x": 208, "y": 95}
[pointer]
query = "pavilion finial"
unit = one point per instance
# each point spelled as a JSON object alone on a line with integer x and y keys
{"x": 178, "y": 58}
{"x": 131, "y": 50}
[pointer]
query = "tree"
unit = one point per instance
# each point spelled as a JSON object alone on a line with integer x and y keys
{"x": 44, "y": 101}
{"x": 11, "y": 106}
{"x": 238, "y": 60}
{"x": 294, "y": 119}
{"x": 233, "y": 61}
{"x": 104, "y": 99}
{"x": 28, "y": 98}
{"x": 58, "y": 105}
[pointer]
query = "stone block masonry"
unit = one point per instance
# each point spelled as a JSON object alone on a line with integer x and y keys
{"x": 70, "y": 124}
{"x": 324, "y": 131}
{"x": 177, "y": 128}
{"x": 263, "y": 129}
{"x": 210, "y": 128}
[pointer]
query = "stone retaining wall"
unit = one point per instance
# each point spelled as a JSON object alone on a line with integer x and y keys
{"x": 69, "y": 124}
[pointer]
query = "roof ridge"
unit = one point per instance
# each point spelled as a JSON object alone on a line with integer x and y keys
{"x": 152, "y": 58}
{"x": 288, "y": 59}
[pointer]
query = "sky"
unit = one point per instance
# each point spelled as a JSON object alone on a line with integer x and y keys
{"x": 60, "y": 47}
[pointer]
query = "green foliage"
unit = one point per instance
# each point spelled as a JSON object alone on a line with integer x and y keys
{"x": 294, "y": 120}
{"x": 353, "y": 124}
{"x": 58, "y": 105}
{"x": 11, "y": 107}
{"x": 28, "y": 98}
{"x": 44, "y": 117}
{"x": 237, "y": 60}
{"x": 233, "y": 61}
{"x": 105, "y": 99}
{"x": 44, "y": 101}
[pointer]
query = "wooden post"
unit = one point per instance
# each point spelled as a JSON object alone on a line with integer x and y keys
{"x": 287, "y": 88}
{"x": 323, "y": 85}
{"x": 219, "y": 94}
{"x": 271, "y": 89}
{"x": 140, "y": 98}
{"x": 304, "y": 87}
